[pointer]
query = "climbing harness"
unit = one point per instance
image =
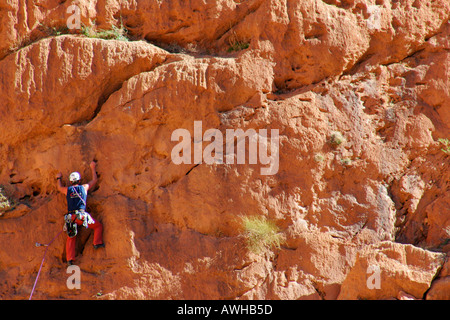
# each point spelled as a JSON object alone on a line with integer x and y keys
{"x": 70, "y": 225}
{"x": 43, "y": 258}
{"x": 82, "y": 214}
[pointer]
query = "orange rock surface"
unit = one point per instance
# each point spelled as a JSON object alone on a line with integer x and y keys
{"x": 375, "y": 204}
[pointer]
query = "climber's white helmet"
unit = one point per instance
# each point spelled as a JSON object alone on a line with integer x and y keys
{"x": 74, "y": 176}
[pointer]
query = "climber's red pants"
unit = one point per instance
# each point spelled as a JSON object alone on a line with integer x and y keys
{"x": 71, "y": 242}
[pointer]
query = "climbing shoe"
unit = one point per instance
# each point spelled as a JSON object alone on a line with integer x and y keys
{"x": 96, "y": 246}
{"x": 70, "y": 263}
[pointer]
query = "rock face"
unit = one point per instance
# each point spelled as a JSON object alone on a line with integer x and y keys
{"x": 359, "y": 188}
{"x": 400, "y": 268}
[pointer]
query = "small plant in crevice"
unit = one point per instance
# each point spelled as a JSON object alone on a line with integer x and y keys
{"x": 5, "y": 202}
{"x": 336, "y": 138}
{"x": 236, "y": 44}
{"x": 319, "y": 157}
{"x": 114, "y": 33}
{"x": 55, "y": 30}
{"x": 261, "y": 234}
{"x": 346, "y": 161}
{"x": 446, "y": 145}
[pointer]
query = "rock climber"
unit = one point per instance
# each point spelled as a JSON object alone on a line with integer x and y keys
{"x": 76, "y": 195}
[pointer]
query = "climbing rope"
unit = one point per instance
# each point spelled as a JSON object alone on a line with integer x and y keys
{"x": 43, "y": 258}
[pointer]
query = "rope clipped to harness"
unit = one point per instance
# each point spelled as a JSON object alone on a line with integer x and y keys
{"x": 80, "y": 214}
{"x": 70, "y": 225}
{"x": 43, "y": 258}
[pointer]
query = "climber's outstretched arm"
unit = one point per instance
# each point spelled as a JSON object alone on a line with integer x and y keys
{"x": 59, "y": 185}
{"x": 91, "y": 184}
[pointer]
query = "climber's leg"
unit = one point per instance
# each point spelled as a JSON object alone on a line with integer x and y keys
{"x": 98, "y": 232}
